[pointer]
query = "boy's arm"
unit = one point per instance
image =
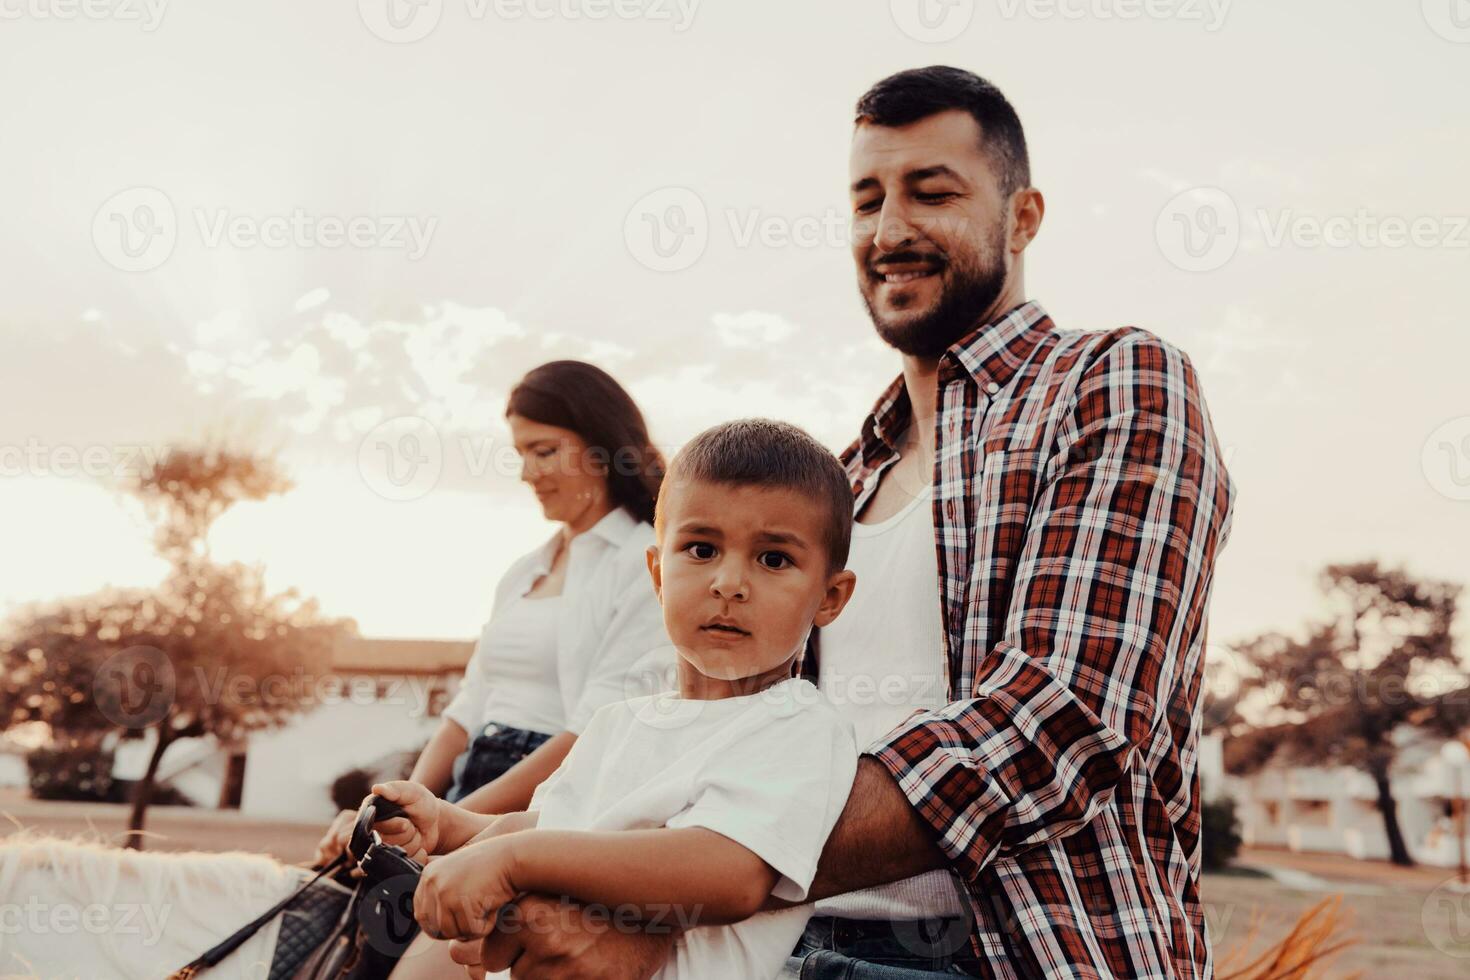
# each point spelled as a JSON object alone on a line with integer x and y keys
{"x": 508, "y": 823}
{"x": 705, "y": 878}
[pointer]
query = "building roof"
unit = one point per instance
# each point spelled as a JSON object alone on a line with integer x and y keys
{"x": 369, "y": 655}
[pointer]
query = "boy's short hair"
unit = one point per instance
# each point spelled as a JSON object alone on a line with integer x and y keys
{"x": 770, "y": 454}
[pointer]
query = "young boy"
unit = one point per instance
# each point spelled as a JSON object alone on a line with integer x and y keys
{"x": 706, "y": 801}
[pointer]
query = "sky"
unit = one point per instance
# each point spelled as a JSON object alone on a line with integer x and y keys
{"x": 340, "y": 232}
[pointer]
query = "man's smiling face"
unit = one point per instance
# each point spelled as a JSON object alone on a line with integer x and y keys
{"x": 929, "y": 230}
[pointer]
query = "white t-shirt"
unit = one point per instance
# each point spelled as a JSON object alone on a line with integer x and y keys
{"x": 771, "y": 771}
{"x": 882, "y": 660}
{"x": 610, "y": 643}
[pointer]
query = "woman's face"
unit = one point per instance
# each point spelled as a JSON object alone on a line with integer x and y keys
{"x": 569, "y": 482}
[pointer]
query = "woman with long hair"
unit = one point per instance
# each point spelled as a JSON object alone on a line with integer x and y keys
{"x": 575, "y": 623}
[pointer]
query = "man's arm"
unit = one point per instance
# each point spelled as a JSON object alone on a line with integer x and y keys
{"x": 1110, "y": 588}
{"x": 703, "y": 877}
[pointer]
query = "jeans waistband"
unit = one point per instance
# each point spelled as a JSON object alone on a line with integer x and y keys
{"x": 937, "y": 943}
{"x": 510, "y": 737}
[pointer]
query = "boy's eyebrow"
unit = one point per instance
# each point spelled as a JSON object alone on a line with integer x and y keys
{"x": 704, "y": 529}
{"x": 782, "y": 537}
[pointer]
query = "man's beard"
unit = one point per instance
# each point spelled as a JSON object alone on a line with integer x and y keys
{"x": 969, "y": 294}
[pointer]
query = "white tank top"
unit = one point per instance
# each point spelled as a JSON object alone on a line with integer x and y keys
{"x": 882, "y": 659}
{"x": 520, "y": 669}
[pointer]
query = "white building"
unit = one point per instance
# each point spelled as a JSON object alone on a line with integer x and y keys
{"x": 380, "y": 697}
{"x": 1335, "y": 810}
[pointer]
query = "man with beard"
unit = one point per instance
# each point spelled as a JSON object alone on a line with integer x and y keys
{"x": 1038, "y": 516}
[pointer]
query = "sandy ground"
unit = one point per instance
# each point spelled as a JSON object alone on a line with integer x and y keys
{"x": 1408, "y": 924}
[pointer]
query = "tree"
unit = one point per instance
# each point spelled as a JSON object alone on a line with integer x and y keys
{"x": 208, "y": 652}
{"x": 1340, "y": 693}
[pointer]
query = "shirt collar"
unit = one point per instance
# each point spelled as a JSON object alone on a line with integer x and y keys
{"x": 613, "y": 529}
{"x": 992, "y": 354}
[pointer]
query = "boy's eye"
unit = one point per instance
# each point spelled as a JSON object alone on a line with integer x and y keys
{"x": 775, "y": 560}
{"x": 702, "y": 550}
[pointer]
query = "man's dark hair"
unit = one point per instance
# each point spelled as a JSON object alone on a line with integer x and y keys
{"x": 921, "y": 92}
{"x": 769, "y": 454}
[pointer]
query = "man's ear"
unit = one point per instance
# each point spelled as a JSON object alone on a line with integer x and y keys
{"x": 839, "y": 590}
{"x": 1027, "y": 207}
{"x": 655, "y": 572}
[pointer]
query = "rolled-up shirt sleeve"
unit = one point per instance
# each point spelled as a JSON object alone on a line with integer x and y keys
{"x": 1109, "y": 595}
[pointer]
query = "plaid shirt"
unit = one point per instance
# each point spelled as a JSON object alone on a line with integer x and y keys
{"x": 1079, "y": 502}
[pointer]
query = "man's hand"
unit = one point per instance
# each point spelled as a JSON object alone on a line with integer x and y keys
{"x": 550, "y": 939}
{"x": 459, "y": 894}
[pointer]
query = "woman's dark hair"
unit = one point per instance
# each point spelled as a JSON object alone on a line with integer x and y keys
{"x": 921, "y": 92}
{"x": 585, "y": 399}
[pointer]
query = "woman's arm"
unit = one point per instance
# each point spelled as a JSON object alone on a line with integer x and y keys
{"x": 512, "y": 790}
{"x": 434, "y": 769}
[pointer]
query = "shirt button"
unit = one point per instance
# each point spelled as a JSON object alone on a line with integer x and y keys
{"x": 992, "y": 388}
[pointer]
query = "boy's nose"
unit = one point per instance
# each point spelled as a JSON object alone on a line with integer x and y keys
{"x": 729, "y": 588}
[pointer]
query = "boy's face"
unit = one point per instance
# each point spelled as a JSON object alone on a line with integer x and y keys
{"x": 742, "y": 575}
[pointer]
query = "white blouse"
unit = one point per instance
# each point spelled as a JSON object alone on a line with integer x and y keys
{"x": 608, "y": 643}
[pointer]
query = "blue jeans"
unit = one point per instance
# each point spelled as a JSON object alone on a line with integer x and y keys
{"x": 489, "y": 755}
{"x": 850, "y": 949}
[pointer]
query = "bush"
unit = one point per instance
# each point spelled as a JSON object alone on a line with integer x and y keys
{"x": 1219, "y": 833}
{"x": 76, "y": 770}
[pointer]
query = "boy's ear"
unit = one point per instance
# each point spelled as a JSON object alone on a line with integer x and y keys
{"x": 839, "y": 590}
{"x": 655, "y": 572}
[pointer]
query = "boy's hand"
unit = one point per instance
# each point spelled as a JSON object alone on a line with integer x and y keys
{"x": 417, "y": 831}
{"x": 459, "y": 894}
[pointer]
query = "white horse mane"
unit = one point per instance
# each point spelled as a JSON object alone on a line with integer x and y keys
{"x": 79, "y": 908}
